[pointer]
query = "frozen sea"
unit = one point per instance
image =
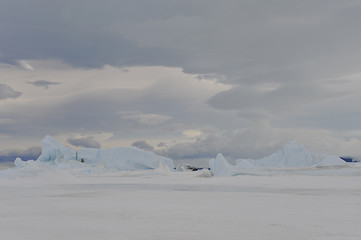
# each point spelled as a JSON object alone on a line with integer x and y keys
{"x": 304, "y": 203}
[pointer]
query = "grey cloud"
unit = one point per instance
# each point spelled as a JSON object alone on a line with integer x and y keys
{"x": 248, "y": 143}
{"x": 129, "y": 112}
{"x": 246, "y": 40}
{"x": 162, "y": 110}
{"x": 81, "y": 113}
{"x": 338, "y": 114}
{"x": 7, "y": 92}
{"x": 274, "y": 100}
{"x": 141, "y": 144}
{"x": 87, "y": 142}
{"x": 67, "y": 30}
{"x": 144, "y": 119}
{"x": 260, "y": 47}
{"x": 249, "y": 42}
{"x": 43, "y": 83}
{"x": 161, "y": 144}
{"x": 10, "y": 155}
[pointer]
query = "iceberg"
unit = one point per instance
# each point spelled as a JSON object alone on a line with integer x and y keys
{"x": 220, "y": 167}
{"x": 52, "y": 150}
{"x": 293, "y": 155}
{"x": 122, "y": 158}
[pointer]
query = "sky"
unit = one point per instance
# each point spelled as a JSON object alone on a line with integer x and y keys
{"x": 185, "y": 79}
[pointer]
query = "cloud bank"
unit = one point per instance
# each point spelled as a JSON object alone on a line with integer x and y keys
{"x": 141, "y": 144}
{"x": 10, "y": 155}
{"x": 87, "y": 142}
{"x": 250, "y": 42}
{"x": 43, "y": 83}
{"x": 7, "y": 92}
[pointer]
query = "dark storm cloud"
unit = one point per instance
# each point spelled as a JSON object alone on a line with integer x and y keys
{"x": 68, "y": 30}
{"x": 7, "y": 92}
{"x": 250, "y": 41}
{"x": 87, "y": 142}
{"x": 141, "y": 144}
{"x": 43, "y": 83}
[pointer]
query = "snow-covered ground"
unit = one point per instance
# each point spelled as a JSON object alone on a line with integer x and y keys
{"x": 315, "y": 203}
{"x": 91, "y": 194}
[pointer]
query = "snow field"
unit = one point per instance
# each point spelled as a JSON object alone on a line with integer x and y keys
{"x": 142, "y": 205}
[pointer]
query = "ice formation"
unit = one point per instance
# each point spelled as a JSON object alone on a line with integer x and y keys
{"x": 123, "y": 158}
{"x": 220, "y": 167}
{"x": 52, "y": 150}
{"x": 293, "y": 155}
{"x": 56, "y": 156}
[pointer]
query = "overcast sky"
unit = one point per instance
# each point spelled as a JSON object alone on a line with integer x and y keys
{"x": 186, "y": 79}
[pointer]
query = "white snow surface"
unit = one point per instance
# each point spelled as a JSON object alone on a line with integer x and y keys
{"x": 61, "y": 204}
{"x": 293, "y": 155}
